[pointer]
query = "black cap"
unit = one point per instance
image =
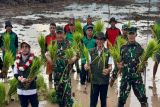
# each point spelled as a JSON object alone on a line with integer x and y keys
{"x": 100, "y": 36}
{"x": 59, "y": 29}
{"x": 8, "y": 24}
{"x": 112, "y": 20}
{"x": 132, "y": 30}
{"x": 89, "y": 27}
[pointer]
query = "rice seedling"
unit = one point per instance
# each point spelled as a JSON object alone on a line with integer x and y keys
{"x": 13, "y": 87}
{"x": 52, "y": 96}
{"x": 40, "y": 83}
{"x": 69, "y": 53}
{"x": 41, "y": 42}
{"x": 2, "y": 95}
{"x": 79, "y": 27}
{"x": 53, "y": 50}
{"x": 99, "y": 27}
{"x": 156, "y": 31}
{"x": 151, "y": 49}
{"x": 6, "y": 41}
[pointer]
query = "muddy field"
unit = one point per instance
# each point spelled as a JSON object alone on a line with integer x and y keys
{"x": 31, "y": 19}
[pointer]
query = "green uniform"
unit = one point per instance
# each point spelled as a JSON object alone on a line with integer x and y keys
{"x": 13, "y": 43}
{"x": 69, "y": 37}
{"x": 130, "y": 54}
{"x": 62, "y": 78}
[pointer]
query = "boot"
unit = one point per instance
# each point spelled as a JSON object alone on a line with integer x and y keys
{"x": 144, "y": 104}
{"x": 120, "y": 104}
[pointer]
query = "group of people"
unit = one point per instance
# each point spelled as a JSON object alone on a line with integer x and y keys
{"x": 61, "y": 68}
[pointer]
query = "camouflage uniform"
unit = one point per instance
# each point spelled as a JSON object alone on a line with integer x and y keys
{"x": 130, "y": 54}
{"x": 62, "y": 78}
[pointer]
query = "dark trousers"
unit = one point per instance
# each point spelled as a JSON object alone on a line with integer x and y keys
{"x": 83, "y": 75}
{"x": 95, "y": 91}
{"x": 26, "y": 99}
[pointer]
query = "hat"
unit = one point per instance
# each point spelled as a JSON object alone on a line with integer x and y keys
{"x": 59, "y": 29}
{"x": 89, "y": 27}
{"x": 100, "y": 36}
{"x": 112, "y": 20}
{"x": 71, "y": 16}
{"x": 125, "y": 27}
{"x": 8, "y": 24}
{"x": 25, "y": 42}
{"x": 132, "y": 30}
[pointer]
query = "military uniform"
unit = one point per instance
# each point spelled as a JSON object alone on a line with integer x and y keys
{"x": 130, "y": 54}
{"x": 62, "y": 78}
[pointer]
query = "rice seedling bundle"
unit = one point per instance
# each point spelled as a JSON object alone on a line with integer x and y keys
{"x": 6, "y": 41}
{"x": 41, "y": 42}
{"x": 52, "y": 96}
{"x": 53, "y": 50}
{"x": 98, "y": 27}
{"x": 149, "y": 51}
{"x": 13, "y": 87}
{"x": 40, "y": 83}
{"x": 79, "y": 27}
{"x": 156, "y": 31}
{"x": 2, "y": 95}
{"x": 69, "y": 53}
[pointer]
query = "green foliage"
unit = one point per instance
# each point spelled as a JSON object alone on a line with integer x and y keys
{"x": 13, "y": 87}
{"x": 150, "y": 51}
{"x": 115, "y": 50}
{"x": 98, "y": 27}
{"x": 2, "y": 95}
{"x": 52, "y": 96}
{"x": 156, "y": 31}
{"x": 35, "y": 68}
{"x": 6, "y": 41}
{"x": 69, "y": 53}
{"x": 52, "y": 48}
{"x": 41, "y": 42}
{"x": 79, "y": 27}
{"x": 8, "y": 59}
{"x": 40, "y": 83}
{"x": 86, "y": 54}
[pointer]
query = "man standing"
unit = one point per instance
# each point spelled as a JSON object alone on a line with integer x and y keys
{"x": 89, "y": 22}
{"x": 62, "y": 76}
{"x": 89, "y": 43}
{"x": 71, "y": 21}
{"x": 13, "y": 39}
{"x": 100, "y": 70}
{"x": 130, "y": 54}
{"x": 113, "y": 32}
{"x": 48, "y": 39}
{"x": 125, "y": 31}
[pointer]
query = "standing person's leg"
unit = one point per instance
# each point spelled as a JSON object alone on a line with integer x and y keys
{"x": 139, "y": 91}
{"x": 83, "y": 75}
{"x": 94, "y": 95}
{"x": 103, "y": 95}
{"x": 24, "y": 100}
{"x": 77, "y": 66}
{"x": 68, "y": 96}
{"x": 34, "y": 100}
{"x": 125, "y": 89}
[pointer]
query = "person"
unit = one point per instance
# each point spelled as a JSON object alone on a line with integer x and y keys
{"x": 100, "y": 71}
{"x": 62, "y": 67}
{"x": 157, "y": 58}
{"x": 71, "y": 21}
{"x": 90, "y": 43}
{"x": 125, "y": 31}
{"x": 130, "y": 54}
{"x": 89, "y": 22}
{"x": 13, "y": 39}
{"x": 48, "y": 39}
{"x": 113, "y": 32}
{"x": 21, "y": 71}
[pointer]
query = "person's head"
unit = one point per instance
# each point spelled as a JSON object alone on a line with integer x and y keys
{"x": 72, "y": 27}
{"x": 71, "y": 19}
{"x": 25, "y": 48}
{"x": 89, "y": 31}
{"x": 125, "y": 29}
{"x": 100, "y": 39}
{"x": 132, "y": 33}
{"x": 113, "y": 22}
{"x": 59, "y": 34}
{"x": 8, "y": 26}
{"x": 52, "y": 28}
{"x": 89, "y": 20}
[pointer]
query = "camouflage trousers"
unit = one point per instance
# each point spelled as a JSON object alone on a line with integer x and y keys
{"x": 138, "y": 89}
